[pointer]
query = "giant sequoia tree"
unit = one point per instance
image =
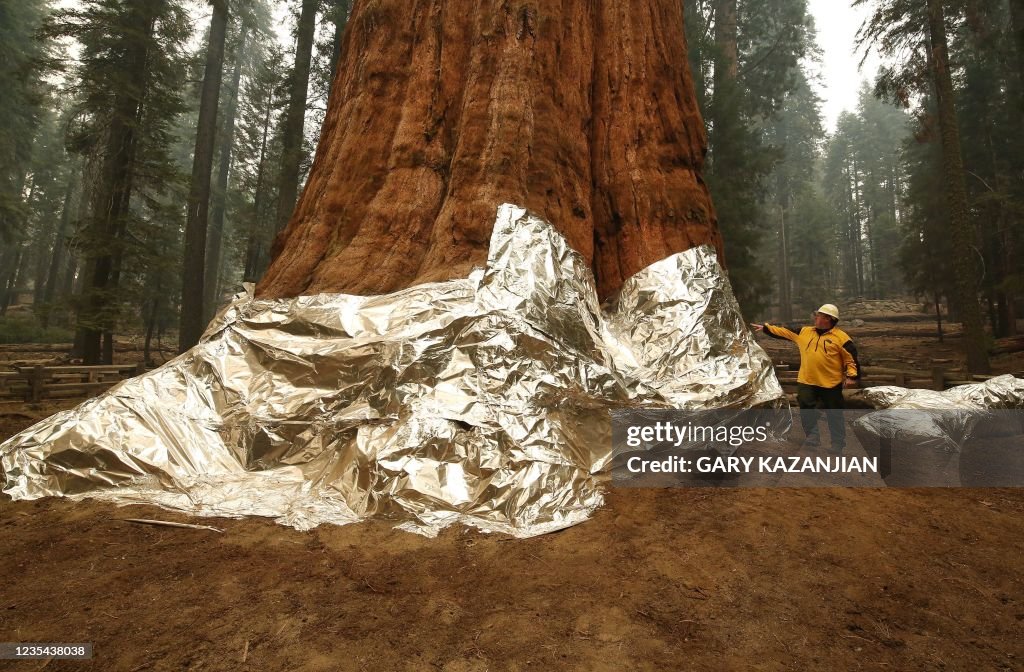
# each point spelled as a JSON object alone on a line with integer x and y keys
{"x": 583, "y": 112}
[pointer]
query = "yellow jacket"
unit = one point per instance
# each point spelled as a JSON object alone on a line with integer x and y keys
{"x": 824, "y": 357}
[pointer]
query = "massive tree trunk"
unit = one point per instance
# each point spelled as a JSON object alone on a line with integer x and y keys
{"x": 583, "y": 112}
{"x": 193, "y": 277}
{"x": 961, "y": 233}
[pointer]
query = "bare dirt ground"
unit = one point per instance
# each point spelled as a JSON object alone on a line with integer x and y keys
{"x": 683, "y": 579}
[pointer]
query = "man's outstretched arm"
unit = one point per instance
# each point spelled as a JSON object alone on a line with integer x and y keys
{"x": 775, "y": 332}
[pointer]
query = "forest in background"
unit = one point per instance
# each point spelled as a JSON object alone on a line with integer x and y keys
{"x": 134, "y": 130}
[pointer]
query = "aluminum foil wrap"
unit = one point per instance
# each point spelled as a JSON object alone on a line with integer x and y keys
{"x": 483, "y": 401}
{"x": 942, "y": 420}
{"x": 1002, "y": 392}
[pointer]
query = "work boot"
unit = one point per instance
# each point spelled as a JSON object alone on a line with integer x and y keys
{"x": 812, "y": 441}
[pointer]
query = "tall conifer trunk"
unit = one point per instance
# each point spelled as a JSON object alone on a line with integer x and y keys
{"x": 961, "y": 233}
{"x": 255, "y": 254}
{"x": 724, "y": 102}
{"x": 112, "y": 196}
{"x": 58, "y": 258}
{"x": 214, "y": 243}
{"x": 583, "y": 112}
{"x": 295, "y": 115}
{"x": 1017, "y": 29}
{"x": 194, "y": 274}
{"x": 341, "y": 10}
{"x": 1008, "y": 246}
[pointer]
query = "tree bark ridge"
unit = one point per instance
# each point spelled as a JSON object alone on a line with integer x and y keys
{"x": 585, "y": 113}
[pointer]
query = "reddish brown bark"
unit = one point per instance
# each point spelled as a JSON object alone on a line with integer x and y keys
{"x": 583, "y": 112}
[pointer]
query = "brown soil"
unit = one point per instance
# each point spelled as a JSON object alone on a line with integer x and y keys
{"x": 801, "y": 579}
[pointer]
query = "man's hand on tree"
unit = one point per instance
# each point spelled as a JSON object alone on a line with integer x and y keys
{"x": 850, "y": 382}
{"x": 757, "y": 327}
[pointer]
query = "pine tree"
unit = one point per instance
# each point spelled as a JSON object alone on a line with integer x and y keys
{"x": 260, "y": 150}
{"x": 796, "y": 131}
{"x": 991, "y": 142}
{"x": 881, "y": 133}
{"x": 842, "y": 181}
{"x": 925, "y": 224}
{"x": 295, "y": 117}
{"x": 128, "y": 90}
{"x": 915, "y": 31}
{"x": 338, "y": 12}
{"x": 746, "y": 57}
{"x": 194, "y": 271}
{"x": 961, "y": 231}
{"x": 21, "y": 53}
{"x": 51, "y": 187}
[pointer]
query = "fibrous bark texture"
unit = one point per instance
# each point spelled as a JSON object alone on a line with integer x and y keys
{"x": 584, "y": 112}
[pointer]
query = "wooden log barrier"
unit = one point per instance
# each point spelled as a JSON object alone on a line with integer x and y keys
{"x": 34, "y": 383}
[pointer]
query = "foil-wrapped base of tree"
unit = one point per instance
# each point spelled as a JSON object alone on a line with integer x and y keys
{"x": 484, "y": 400}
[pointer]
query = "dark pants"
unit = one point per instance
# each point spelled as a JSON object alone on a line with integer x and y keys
{"x": 831, "y": 399}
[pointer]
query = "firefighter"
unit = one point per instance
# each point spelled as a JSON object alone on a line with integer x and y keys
{"x": 828, "y": 363}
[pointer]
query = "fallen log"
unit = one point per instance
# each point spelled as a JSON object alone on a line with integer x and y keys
{"x": 119, "y": 346}
{"x": 1009, "y": 345}
{"x": 902, "y": 333}
{"x": 35, "y": 347}
{"x": 896, "y": 317}
{"x": 16, "y": 363}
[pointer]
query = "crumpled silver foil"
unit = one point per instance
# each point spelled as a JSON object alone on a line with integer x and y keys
{"x": 483, "y": 401}
{"x": 941, "y": 420}
{"x": 1002, "y": 392}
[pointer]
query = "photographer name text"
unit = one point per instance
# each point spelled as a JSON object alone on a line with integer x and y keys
{"x": 752, "y": 465}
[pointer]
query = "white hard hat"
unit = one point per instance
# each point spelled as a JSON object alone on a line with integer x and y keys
{"x": 830, "y": 310}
